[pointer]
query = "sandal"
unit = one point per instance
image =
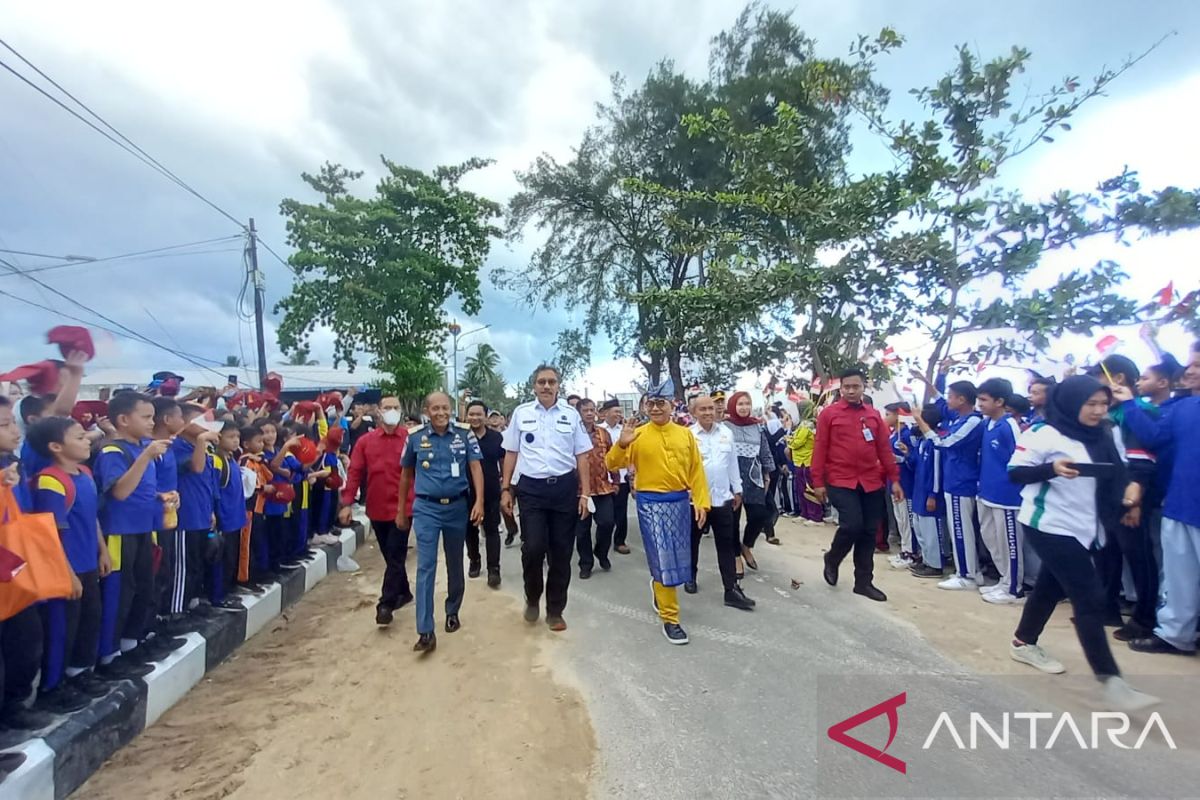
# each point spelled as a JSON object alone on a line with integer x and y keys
{"x": 774, "y": 540}
{"x": 748, "y": 557}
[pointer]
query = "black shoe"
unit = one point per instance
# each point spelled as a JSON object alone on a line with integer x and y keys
{"x": 89, "y": 684}
{"x": 159, "y": 647}
{"x": 532, "y": 613}
{"x": 508, "y": 540}
{"x": 63, "y": 699}
{"x": 1132, "y": 630}
{"x": 675, "y": 633}
{"x": 203, "y": 610}
{"x": 735, "y": 598}
{"x": 1153, "y": 644}
{"x": 21, "y": 718}
{"x": 452, "y": 623}
{"x": 405, "y": 599}
{"x": 474, "y": 570}
{"x": 830, "y": 573}
{"x": 427, "y": 643}
{"x": 494, "y": 580}
{"x": 871, "y": 593}
{"x": 230, "y": 604}
{"x": 605, "y": 564}
{"x": 383, "y": 615}
{"x": 585, "y": 573}
{"x": 122, "y": 670}
{"x": 690, "y": 587}
{"x": 926, "y": 571}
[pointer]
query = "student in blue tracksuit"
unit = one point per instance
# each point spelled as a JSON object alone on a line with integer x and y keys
{"x": 1179, "y": 607}
{"x": 902, "y": 444}
{"x": 999, "y": 497}
{"x": 960, "y": 442}
{"x": 925, "y": 459}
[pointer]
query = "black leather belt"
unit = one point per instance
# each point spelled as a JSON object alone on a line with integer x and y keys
{"x": 553, "y": 479}
{"x": 445, "y": 501}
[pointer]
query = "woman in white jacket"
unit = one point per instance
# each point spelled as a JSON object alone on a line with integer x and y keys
{"x": 1075, "y": 486}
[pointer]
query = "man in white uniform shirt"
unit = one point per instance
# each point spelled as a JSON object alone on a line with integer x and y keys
{"x": 546, "y": 442}
{"x": 725, "y": 493}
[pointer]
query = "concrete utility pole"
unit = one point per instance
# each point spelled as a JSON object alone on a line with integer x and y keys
{"x": 260, "y": 292}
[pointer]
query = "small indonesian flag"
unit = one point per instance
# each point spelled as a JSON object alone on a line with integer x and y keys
{"x": 889, "y": 356}
{"x": 1107, "y": 345}
{"x": 1166, "y": 294}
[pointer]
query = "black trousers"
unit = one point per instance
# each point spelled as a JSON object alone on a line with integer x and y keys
{"x": 20, "y": 656}
{"x": 200, "y": 553}
{"x": 137, "y": 603}
{"x": 393, "y": 545}
{"x": 1132, "y": 546}
{"x": 83, "y": 623}
{"x": 164, "y": 581}
{"x": 859, "y": 514}
{"x": 275, "y": 530}
{"x": 549, "y": 511}
{"x": 231, "y": 555}
{"x": 621, "y": 515}
{"x": 724, "y": 531}
{"x": 604, "y": 532}
{"x": 757, "y": 516}
{"x": 1068, "y": 571}
{"x": 491, "y": 535}
{"x": 772, "y": 504}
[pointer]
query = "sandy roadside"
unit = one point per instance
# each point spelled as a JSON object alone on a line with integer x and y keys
{"x": 323, "y": 704}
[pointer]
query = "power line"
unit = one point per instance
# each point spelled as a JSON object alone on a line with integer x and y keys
{"x": 126, "y": 259}
{"x": 128, "y": 331}
{"x": 89, "y": 260}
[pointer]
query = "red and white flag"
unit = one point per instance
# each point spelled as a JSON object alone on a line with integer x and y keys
{"x": 1166, "y": 294}
{"x": 1107, "y": 345}
{"x": 889, "y": 356}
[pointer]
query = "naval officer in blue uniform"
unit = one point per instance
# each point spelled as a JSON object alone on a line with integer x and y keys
{"x": 440, "y": 457}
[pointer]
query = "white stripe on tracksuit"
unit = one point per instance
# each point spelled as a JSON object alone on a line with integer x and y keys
{"x": 178, "y": 571}
{"x": 1004, "y": 540}
{"x": 960, "y": 518}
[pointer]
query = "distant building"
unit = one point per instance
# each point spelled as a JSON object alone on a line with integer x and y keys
{"x": 299, "y": 383}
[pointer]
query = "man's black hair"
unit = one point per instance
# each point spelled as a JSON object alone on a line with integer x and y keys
{"x": 230, "y": 425}
{"x": 122, "y": 404}
{"x": 48, "y": 431}
{"x": 32, "y": 406}
{"x": 997, "y": 388}
{"x": 898, "y": 408}
{"x": 587, "y": 400}
{"x": 966, "y": 389}
{"x": 250, "y": 432}
{"x": 932, "y": 414}
{"x": 1018, "y": 404}
{"x": 852, "y": 373}
{"x": 163, "y": 406}
{"x": 479, "y": 403}
{"x": 1041, "y": 380}
{"x": 574, "y": 397}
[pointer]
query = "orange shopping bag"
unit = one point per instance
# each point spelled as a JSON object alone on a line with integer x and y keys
{"x": 33, "y": 537}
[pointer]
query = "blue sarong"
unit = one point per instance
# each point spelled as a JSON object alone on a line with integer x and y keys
{"x": 665, "y": 519}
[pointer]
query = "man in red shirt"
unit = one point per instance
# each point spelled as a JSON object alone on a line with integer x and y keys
{"x": 852, "y": 463}
{"x": 376, "y": 457}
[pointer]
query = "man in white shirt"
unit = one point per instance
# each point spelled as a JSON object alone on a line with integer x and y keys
{"x": 610, "y": 412}
{"x": 546, "y": 442}
{"x": 725, "y": 492}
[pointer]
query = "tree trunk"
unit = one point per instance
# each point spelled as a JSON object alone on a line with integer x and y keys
{"x": 675, "y": 371}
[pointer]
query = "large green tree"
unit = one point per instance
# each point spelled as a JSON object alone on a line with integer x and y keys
{"x": 481, "y": 375}
{"x": 626, "y": 240}
{"x": 377, "y": 270}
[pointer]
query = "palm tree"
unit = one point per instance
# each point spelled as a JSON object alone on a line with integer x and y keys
{"x": 481, "y": 372}
{"x": 299, "y": 358}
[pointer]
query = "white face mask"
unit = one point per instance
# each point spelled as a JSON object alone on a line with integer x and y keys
{"x": 391, "y": 417}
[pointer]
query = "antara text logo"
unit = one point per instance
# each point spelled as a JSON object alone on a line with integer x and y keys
{"x": 1044, "y": 731}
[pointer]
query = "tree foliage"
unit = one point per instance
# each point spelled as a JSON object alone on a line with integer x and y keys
{"x": 377, "y": 270}
{"x": 481, "y": 375}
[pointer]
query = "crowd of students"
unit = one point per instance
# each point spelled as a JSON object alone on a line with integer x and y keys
{"x": 170, "y": 510}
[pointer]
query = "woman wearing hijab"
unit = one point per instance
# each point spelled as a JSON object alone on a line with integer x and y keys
{"x": 756, "y": 464}
{"x": 1075, "y": 485}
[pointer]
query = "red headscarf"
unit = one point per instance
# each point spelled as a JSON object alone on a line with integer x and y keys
{"x": 732, "y": 415}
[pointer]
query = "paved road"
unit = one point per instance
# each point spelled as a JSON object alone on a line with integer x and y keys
{"x": 741, "y": 711}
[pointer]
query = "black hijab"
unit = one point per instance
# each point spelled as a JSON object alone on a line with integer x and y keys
{"x": 1063, "y": 405}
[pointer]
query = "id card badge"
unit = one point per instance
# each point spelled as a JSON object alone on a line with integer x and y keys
{"x": 868, "y": 435}
{"x": 454, "y": 469}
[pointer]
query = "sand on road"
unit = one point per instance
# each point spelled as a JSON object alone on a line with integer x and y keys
{"x": 323, "y": 704}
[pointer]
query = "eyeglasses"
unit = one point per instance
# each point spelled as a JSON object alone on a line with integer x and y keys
{"x": 657, "y": 402}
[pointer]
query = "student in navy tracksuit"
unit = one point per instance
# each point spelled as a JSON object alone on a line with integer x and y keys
{"x": 902, "y": 443}
{"x": 999, "y": 497}
{"x": 197, "y": 510}
{"x": 231, "y": 516}
{"x": 1179, "y": 607}
{"x": 960, "y": 443}
{"x": 929, "y": 511}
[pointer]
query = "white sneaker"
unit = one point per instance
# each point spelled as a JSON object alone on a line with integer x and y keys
{"x": 1001, "y": 598}
{"x": 987, "y": 588}
{"x": 1120, "y": 696}
{"x": 957, "y": 583}
{"x": 1035, "y": 657}
{"x": 899, "y": 562}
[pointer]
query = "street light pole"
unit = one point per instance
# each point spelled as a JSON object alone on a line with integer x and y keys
{"x": 456, "y": 333}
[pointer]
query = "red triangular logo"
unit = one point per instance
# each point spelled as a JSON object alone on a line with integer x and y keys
{"x": 838, "y": 732}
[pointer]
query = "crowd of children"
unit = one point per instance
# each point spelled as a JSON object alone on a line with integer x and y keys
{"x": 169, "y": 509}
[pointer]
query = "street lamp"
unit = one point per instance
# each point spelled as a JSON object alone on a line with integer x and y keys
{"x": 456, "y": 333}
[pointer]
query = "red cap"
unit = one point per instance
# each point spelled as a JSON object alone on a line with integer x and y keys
{"x": 306, "y": 409}
{"x": 306, "y": 452}
{"x": 273, "y": 384}
{"x": 97, "y": 408}
{"x": 42, "y": 376}
{"x": 72, "y": 337}
{"x": 333, "y": 439}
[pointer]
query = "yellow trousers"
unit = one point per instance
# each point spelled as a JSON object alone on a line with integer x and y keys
{"x": 667, "y": 600}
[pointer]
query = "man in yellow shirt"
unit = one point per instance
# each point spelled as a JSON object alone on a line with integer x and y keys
{"x": 667, "y": 467}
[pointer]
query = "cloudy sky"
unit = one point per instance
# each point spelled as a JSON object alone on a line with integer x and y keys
{"x": 239, "y": 98}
